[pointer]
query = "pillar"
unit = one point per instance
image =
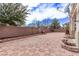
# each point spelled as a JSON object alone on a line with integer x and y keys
{"x": 77, "y": 34}
{"x": 72, "y": 28}
{"x": 77, "y": 27}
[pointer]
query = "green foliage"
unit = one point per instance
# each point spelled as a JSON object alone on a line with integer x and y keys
{"x": 13, "y": 14}
{"x": 55, "y": 25}
{"x": 54, "y": 30}
{"x": 66, "y": 26}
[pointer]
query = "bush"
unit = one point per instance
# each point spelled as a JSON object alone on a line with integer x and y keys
{"x": 55, "y": 30}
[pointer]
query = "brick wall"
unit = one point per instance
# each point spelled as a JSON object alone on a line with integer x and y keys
{"x": 12, "y": 31}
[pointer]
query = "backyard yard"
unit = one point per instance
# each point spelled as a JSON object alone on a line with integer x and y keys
{"x": 37, "y": 45}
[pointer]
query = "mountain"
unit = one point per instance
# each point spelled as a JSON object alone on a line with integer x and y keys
{"x": 48, "y": 21}
{"x": 44, "y": 22}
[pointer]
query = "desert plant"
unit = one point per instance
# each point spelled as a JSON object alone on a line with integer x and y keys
{"x": 13, "y": 14}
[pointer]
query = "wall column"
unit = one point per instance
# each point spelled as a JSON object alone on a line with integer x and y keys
{"x": 77, "y": 27}
{"x": 72, "y": 28}
{"x": 77, "y": 34}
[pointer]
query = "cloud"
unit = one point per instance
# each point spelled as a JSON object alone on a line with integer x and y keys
{"x": 42, "y": 11}
{"x": 30, "y": 5}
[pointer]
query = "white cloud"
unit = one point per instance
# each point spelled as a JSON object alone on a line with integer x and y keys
{"x": 30, "y": 5}
{"x": 45, "y": 13}
{"x": 62, "y": 9}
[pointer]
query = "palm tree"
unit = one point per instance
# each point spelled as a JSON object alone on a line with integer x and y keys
{"x": 13, "y": 14}
{"x": 55, "y": 23}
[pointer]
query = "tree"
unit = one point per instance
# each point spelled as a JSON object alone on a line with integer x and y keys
{"x": 55, "y": 23}
{"x": 36, "y": 23}
{"x": 66, "y": 27}
{"x": 13, "y": 14}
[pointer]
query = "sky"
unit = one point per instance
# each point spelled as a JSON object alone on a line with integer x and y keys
{"x": 41, "y": 11}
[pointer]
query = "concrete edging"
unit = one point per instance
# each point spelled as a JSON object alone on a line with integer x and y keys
{"x": 70, "y": 47}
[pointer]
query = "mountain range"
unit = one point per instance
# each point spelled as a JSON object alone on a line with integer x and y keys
{"x": 48, "y": 21}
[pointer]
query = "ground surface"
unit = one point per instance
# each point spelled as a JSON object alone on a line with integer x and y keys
{"x": 40, "y": 45}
